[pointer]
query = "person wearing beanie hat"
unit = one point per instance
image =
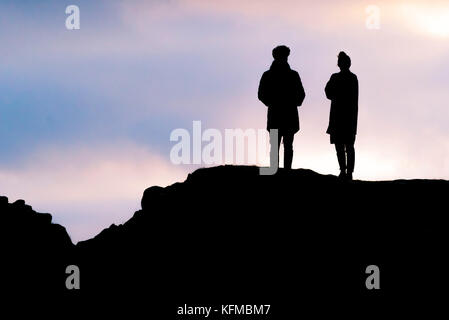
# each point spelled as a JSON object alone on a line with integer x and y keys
{"x": 343, "y": 91}
{"x": 281, "y": 90}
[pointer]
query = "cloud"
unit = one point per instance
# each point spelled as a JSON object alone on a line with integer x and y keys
{"x": 88, "y": 187}
{"x": 79, "y": 111}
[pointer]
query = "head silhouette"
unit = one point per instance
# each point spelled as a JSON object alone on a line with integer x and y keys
{"x": 281, "y": 53}
{"x": 344, "y": 61}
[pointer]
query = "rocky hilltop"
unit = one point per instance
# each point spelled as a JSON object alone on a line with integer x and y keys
{"x": 34, "y": 249}
{"x": 228, "y": 234}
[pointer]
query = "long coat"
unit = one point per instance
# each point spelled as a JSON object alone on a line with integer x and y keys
{"x": 281, "y": 90}
{"x": 343, "y": 90}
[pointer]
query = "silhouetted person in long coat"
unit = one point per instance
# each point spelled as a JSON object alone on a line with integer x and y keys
{"x": 281, "y": 90}
{"x": 343, "y": 90}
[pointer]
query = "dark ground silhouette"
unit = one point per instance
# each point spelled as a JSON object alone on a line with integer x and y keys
{"x": 226, "y": 235}
{"x": 343, "y": 90}
{"x": 281, "y": 90}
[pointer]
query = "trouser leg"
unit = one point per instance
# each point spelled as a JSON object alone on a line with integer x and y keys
{"x": 350, "y": 152}
{"x": 341, "y": 156}
{"x": 275, "y": 143}
{"x": 288, "y": 150}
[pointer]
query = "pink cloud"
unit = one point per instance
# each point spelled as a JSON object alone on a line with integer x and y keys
{"x": 105, "y": 183}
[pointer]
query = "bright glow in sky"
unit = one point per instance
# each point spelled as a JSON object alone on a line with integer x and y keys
{"x": 428, "y": 19}
{"x": 86, "y": 115}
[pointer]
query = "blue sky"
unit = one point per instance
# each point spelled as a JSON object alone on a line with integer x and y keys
{"x": 86, "y": 115}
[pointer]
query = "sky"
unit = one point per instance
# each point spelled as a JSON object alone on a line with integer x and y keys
{"x": 86, "y": 115}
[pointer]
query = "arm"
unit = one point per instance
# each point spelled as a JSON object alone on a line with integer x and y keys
{"x": 356, "y": 103}
{"x": 330, "y": 90}
{"x": 263, "y": 90}
{"x": 301, "y": 92}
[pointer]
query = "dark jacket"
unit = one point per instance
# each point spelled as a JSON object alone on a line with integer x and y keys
{"x": 281, "y": 90}
{"x": 343, "y": 90}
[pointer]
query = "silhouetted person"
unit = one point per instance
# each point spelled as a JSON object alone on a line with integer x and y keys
{"x": 343, "y": 90}
{"x": 281, "y": 90}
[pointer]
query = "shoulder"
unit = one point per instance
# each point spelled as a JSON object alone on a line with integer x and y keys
{"x": 295, "y": 74}
{"x": 266, "y": 74}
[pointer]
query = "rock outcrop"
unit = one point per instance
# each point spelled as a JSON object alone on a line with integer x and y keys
{"x": 228, "y": 234}
{"x": 35, "y": 251}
